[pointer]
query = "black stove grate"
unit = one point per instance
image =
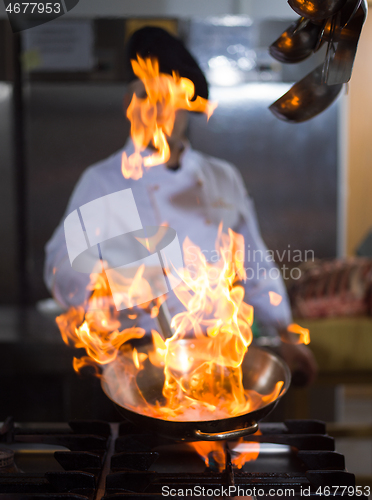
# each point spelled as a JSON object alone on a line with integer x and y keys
{"x": 120, "y": 461}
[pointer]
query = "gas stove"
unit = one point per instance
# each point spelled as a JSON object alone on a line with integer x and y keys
{"x": 94, "y": 460}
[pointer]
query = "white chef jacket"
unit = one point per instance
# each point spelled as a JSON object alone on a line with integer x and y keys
{"x": 193, "y": 200}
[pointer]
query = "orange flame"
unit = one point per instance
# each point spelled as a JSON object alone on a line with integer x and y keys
{"x": 138, "y": 358}
{"x": 214, "y": 453}
{"x": 295, "y": 334}
{"x": 275, "y": 298}
{"x": 211, "y": 451}
{"x": 97, "y": 329}
{"x": 207, "y": 376}
{"x": 152, "y": 118}
{"x": 201, "y": 362}
{"x": 252, "y": 450}
{"x": 200, "y": 365}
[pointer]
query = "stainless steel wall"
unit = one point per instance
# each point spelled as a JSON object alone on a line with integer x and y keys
{"x": 8, "y": 281}
{"x": 68, "y": 128}
{"x": 290, "y": 170}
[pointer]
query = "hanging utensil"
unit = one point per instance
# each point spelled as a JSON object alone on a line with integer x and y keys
{"x": 324, "y": 34}
{"x": 331, "y": 49}
{"x": 341, "y": 28}
{"x": 341, "y": 64}
{"x": 316, "y": 9}
{"x": 347, "y": 11}
{"x": 296, "y": 43}
{"x": 305, "y": 99}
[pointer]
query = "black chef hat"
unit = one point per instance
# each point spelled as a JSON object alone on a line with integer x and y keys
{"x": 171, "y": 54}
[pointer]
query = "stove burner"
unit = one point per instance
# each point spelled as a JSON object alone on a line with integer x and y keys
{"x": 93, "y": 460}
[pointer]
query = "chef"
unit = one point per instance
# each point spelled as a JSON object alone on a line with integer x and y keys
{"x": 193, "y": 193}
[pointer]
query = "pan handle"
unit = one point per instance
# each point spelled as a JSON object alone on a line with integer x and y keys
{"x": 219, "y": 436}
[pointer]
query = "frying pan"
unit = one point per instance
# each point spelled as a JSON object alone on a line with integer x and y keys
{"x": 261, "y": 371}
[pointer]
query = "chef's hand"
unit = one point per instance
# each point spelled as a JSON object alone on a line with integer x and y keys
{"x": 301, "y": 362}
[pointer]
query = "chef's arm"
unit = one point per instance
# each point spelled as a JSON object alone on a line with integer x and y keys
{"x": 262, "y": 277}
{"x": 69, "y": 287}
{"x": 271, "y": 321}
{"x": 301, "y": 362}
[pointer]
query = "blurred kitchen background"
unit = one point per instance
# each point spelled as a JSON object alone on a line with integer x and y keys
{"x": 61, "y": 111}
